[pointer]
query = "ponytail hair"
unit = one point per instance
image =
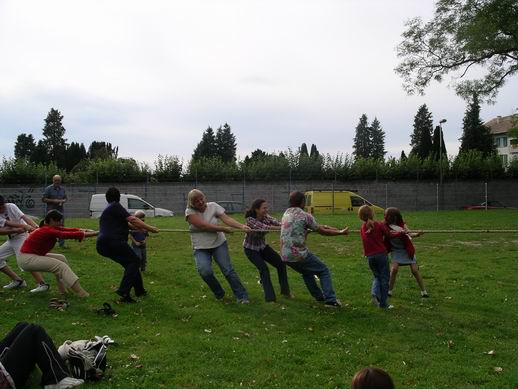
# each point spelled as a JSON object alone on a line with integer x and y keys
{"x": 53, "y": 215}
{"x": 252, "y": 211}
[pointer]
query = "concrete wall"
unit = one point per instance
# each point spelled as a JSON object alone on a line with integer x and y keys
{"x": 405, "y": 195}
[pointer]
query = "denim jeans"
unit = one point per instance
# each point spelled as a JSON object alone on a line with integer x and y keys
{"x": 380, "y": 269}
{"x": 310, "y": 267}
{"x": 203, "y": 259}
{"x": 260, "y": 259}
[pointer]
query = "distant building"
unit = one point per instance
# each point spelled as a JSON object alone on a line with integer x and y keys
{"x": 499, "y": 127}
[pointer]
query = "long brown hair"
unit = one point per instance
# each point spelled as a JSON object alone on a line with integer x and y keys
{"x": 393, "y": 216}
{"x": 252, "y": 211}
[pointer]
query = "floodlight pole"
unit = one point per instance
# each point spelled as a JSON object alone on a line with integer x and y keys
{"x": 440, "y": 150}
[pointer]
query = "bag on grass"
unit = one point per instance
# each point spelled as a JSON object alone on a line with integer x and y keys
{"x": 86, "y": 359}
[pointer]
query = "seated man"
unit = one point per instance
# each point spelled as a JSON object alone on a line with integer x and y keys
{"x": 295, "y": 226}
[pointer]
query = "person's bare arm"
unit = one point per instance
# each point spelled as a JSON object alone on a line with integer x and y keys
{"x": 24, "y": 227}
{"x": 10, "y": 230}
{"x": 198, "y": 222}
{"x": 29, "y": 221}
{"x": 332, "y": 231}
{"x": 140, "y": 224}
{"x": 233, "y": 223}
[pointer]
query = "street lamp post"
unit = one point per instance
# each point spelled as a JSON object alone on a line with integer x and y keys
{"x": 440, "y": 150}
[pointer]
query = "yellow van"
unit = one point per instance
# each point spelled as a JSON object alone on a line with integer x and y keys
{"x": 323, "y": 201}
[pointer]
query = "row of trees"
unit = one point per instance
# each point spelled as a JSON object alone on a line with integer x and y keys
{"x": 288, "y": 165}
{"x": 54, "y": 148}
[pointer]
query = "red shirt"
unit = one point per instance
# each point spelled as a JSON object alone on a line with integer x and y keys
{"x": 373, "y": 240}
{"x": 43, "y": 239}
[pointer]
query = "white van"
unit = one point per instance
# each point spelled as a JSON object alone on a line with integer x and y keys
{"x": 130, "y": 202}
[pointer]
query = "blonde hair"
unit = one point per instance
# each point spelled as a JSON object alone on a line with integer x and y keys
{"x": 365, "y": 213}
{"x": 192, "y": 196}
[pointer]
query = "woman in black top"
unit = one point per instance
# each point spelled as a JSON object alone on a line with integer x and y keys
{"x": 112, "y": 242}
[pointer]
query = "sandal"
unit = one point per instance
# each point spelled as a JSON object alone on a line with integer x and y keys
{"x": 106, "y": 310}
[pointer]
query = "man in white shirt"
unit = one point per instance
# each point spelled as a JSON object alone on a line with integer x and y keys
{"x": 12, "y": 217}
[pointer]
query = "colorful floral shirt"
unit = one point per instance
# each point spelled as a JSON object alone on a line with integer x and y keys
{"x": 257, "y": 240}
{"x": 295, "y": 225}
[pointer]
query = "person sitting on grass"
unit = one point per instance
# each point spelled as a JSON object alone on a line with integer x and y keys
{"x": 372, "y": 235}
{"x": 25, "y": 346}
{"x": 402, "y": 250}
{"x": 295, "y": 225}
{"x": 208, "y": 241}
{"x": 372, "y": 378}
{"x": 260, "y": 253}
{"x": 138, "y": 241}
{"x": 35, "y": 252}
{"x": 12, "y": 216}
{"x": 112, "y": 243}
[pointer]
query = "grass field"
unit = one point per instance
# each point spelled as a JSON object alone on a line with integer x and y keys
{"x": 183, "y": 338}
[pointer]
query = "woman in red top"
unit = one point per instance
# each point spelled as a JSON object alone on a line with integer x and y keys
{"x": 35, "y": 256}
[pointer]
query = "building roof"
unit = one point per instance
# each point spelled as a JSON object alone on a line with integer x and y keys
{"x": 500, "y": 124}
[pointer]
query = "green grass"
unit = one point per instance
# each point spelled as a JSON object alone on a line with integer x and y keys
{"x": 186, "y": 339}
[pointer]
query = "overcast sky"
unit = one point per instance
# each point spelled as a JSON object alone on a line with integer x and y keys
{"x": 150, "y": 76}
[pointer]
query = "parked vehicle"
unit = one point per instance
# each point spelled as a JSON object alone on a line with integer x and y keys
{"x": 323, "y": 201}
{"x": 490, "y": 205}
{"x": 131, "y": 202}
{"x": 231, "y": 206}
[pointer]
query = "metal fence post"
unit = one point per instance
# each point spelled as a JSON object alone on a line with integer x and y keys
{"x": 485, "y": 189}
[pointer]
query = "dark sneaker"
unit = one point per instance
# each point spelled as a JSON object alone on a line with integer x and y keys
{"x": 142, "y": 293}
{"x": 127, "y": 299}
{"x": 333, "y": 304}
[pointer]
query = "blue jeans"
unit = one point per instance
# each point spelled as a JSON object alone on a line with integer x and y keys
{"x": 203, "y": 259}
{"x": 260, "y": 259}
{"x": 380, "y": 285}
{"x": 310, "y": 267}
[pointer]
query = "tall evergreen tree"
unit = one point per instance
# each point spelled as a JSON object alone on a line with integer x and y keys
{"x": 403, "y": 156}
{"x": 207, "y": 146}
{"x": 40, "y": 154}
{"x": 54, "y": 137}
{"x": 314, "y": 154}
{"x": 75, "y": 153}
{"x": 256, "y": 156}
{"x": 437, "y": 138}
{"x": 361, "y": 143}
{"x": 303, "y": 151}
{"x": 24, "y": 146}
{"x": 102, "y": 150}
{"x": 421, "y": 138}
{"x": 377, "y": 140}
{"x": 225, "y": 143}
{"x": 475, "y": 136}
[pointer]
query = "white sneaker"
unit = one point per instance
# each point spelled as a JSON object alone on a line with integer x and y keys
{"x": 43, "y": 287}
{"x": 66, "y": 383}
{"x": 16, "y": 284}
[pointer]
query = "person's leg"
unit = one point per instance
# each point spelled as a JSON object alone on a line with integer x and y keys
{"x": 379, "y": 267}
{"x": 257, "y": 259}
{"x": 417, "y": 275}
{"x": 5, "y": 252}
{"x": 203, "y": 262}
{"x": 33, "y": 346}
{"x": 222, "y": 258}
{"x": 11, "y": 336}
{"x": 308, "y": 278}
{"x": 122, "y": 253}
{"x": 274, "y": 259}
{"x": 393, "y": 274}
{"x": 61, "y": 242}
{"x": 316, "y": 266}
{"x": 53, "y": 263}
{"x": 143, "y": 258}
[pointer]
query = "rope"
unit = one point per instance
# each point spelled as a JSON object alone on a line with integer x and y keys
{"x": 357, "y": 231}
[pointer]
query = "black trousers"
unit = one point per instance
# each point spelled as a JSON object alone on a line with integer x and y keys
{"x": 27, "y": 345}
{"x": 260, "y": 260}
{"x": 120, "y": 252}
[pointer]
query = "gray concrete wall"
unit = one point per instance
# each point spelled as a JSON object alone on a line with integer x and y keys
{"x": 410, "y": 196}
